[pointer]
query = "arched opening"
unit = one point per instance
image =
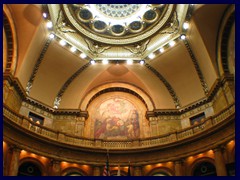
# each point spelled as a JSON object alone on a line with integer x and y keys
{"x": 162, "y": 171}
{"x": 73, "y": 171}
{"x": 73, "y": 174}
{"x": 160, "y": 174}
{"x": 29, "y": 169}
{"x": 204, "y": 169}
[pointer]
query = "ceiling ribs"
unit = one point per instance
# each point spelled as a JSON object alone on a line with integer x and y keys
{"x": 37, "y": 65}
{"x": 197, "y": 67}
{"x": 67, "y": 83}
{"x": 168, "y": 86}
{"x": 224, "y": 43}
{"x": 8, "y": 32}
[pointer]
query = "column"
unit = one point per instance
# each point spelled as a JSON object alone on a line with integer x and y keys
{"x": 96, "y": 171}
{"x": 178, "y": 165}
{"x": 137, "y": 171}
{"x": 7, "y": 161}
{"x": 56, "y": 168}
{"x": 14, "y": 163}
{"x": 219, "y": 162}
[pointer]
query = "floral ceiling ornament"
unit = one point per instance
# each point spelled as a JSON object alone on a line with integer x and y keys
{"x": 61, "y": 25}
{"x": 139, "y": 48}
{"x": 115, "y": 31}
{"x": 96, "y": 48}
{"x": 173, "y": 25}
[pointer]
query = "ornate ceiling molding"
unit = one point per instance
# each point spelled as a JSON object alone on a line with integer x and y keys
{"x": 37, "y": 65}
{"x": 11, "y": 37}
{"x": 79, "y": 27}
{"x": 225, "y": 33}
{"x": 112, "y": 40}
{"x": 117, "y": 89}
{"x": 197, "y": 67}
{"x": 219, "y": 83}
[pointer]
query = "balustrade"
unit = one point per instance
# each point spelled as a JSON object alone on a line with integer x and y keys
{"x": 140, "y": 143}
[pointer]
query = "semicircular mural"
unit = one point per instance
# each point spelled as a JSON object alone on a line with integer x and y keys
{"x": 116, "y": 118}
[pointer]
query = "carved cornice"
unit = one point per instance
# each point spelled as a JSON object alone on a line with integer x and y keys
{"x": 213, "y": 91}
{"x": 227, "y": 78}
{"x": 117, "y": 89}
{"x": 76, "y": 112}
{"x": 156, "y": 112}
{"x": 64, "y": 148}
{"x": 15, "y": 83}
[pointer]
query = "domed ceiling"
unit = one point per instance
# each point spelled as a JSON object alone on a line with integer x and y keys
{"x": 165, "y": 53}
{"x": 104, "y": 30}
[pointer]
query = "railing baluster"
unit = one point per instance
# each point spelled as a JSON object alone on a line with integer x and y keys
{"x": 154, "y": 141}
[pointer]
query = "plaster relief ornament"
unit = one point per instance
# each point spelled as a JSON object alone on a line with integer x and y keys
{"x": 28, "y": 88}
{"x": 139, "y": 48}
{"x": 173, "y": 26}
{"x": 61, "y": 25}
{"x": 56, "y": 102}
{"x": 95, "y": 48}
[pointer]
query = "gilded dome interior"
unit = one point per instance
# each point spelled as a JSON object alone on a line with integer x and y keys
{"x": 152, "y": 83}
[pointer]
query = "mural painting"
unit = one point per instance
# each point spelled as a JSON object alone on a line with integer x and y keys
{"x": 116, "y": 118}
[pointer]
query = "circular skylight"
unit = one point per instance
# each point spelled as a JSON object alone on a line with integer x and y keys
{"x": 120, "y": 14}
{"x": 117, "y": 23}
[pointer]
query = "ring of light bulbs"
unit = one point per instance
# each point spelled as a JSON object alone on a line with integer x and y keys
{"x": 152, "y": 55}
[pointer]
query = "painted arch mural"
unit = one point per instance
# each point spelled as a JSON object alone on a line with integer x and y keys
{"x": 117, "y": 117}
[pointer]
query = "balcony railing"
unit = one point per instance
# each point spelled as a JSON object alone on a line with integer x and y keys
{"x": 62, "y": 137}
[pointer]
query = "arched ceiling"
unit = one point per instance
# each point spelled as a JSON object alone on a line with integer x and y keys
{"x": 179, "y": 76}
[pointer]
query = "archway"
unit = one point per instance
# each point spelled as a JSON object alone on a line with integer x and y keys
{"x": 204, "y": 169}
{"x": 29, "y": 169}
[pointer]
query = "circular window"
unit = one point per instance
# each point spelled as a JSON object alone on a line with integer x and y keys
{"x": 85, "y": 15}
{"x": 99, "y": 26}
{"x": 205, "y": 169}
{"x": 135, "y": 25}
{"x": 29, "y": 169}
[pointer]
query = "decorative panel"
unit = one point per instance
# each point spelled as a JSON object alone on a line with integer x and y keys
{"x": 117, "y": 116}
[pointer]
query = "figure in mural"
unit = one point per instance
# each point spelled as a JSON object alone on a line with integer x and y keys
{"x": 133, "y": 124}
{"x": 101, "y": 125}
{"x": 116, "y": 119}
